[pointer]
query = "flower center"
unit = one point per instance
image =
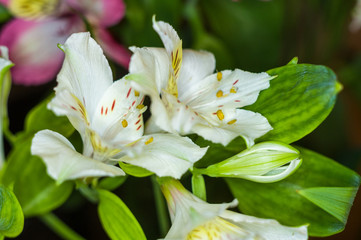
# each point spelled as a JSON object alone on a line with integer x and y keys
{"x": 216, "y": 229}
{"x": 33, "y": 9}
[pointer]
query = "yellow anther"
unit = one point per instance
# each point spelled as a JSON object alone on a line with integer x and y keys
{"x": 124, "y": 123}
{"x": 219, "y": 93}
{"x": 140, "y": 106}
{"x": 149, "y": 141}
{"x": 233, "y": 90}
{"x": 136, "y": 93}
{"x": 220, "y": 114}
{"x": 219, "y": 76}
{"x": 232, "y": 121}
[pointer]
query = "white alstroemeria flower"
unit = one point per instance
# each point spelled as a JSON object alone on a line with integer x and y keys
{"x": 193, "y": 219}
{"x": 188, "y": 97}
{"x": 108, "y": 117}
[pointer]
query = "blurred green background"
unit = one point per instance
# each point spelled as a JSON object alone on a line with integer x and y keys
{"x": 250, "y": 35}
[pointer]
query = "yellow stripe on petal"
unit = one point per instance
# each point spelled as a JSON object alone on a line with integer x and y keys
{"x": 33, "y": 9}
{"x": 176, "y": 56}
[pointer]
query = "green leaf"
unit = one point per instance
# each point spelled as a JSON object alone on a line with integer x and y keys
{"x": 111, "y": 183}
{"x": 293, "y": 61}
{"x": 40, "y": 117}
{"x": 334, "y": 200}
{"x": 11, "y": 215}
{"x": 116, "y": 218}
{"x": 134, "y": 170}
{"x": 4, "y": 14}
{"x": 297, "y": 101}
{"x": 36, "y": 191}
{"x": 199, "y": 187}
{"x": 285, "y": 200}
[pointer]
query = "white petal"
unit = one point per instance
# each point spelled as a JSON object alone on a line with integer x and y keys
{"x": 62, "y": 160}
{"x": 5, "y": 63}
{"x": 181, "y": 118}
{"x": 151, "y": 69}
{"x": 164, "y": 154}
{"x": 267, "y": 229}
{"x": 196, "y": 66}
{"x": 118, "y": 117}
{"x": 248, "y": 124}
{"x": 234, "y": 89}
{"x": 4, "y": 52}
{"x": 85, "y": 74}
{"x": 167, "y": 33}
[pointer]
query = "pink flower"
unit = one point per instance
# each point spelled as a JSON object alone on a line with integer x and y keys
{"x": 32, "y": 36}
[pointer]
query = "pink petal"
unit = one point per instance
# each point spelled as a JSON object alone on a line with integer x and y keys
{"x": 5, "y": 2}
{"x": 33, "y": 47}
{"x": 112, "y": 49}
{"x": 102, "y": 13}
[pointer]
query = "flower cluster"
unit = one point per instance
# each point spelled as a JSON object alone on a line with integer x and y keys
{"x": 186, "y": 97}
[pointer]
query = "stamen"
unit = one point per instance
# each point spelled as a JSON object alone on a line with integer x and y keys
{"x": 219, "y": 76}
{"x": 136, "y": 93}
{"x": 140, "y": 106}
{"x": 149, "y": 141}
{"x": 124, "y": 123}
{"x": 219, "y": 94}
{"x": 233, "y": 90}
{"x": 232, "y": 121}
{"x": 220, "y": 114}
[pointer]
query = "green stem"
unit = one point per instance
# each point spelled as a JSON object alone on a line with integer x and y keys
{"x": 59, "y": 227}
{"x": 161, "y": 208}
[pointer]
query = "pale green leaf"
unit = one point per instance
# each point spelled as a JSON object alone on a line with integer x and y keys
{"x": 199, "y": 186}
{"x": 116, "y": 218}
{"x": 134, "y": 170}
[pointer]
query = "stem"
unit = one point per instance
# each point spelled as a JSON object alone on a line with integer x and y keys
{"x": 5, "y": 81}
{"x": 160, "y": 207}
{"x": 59, "y": 227}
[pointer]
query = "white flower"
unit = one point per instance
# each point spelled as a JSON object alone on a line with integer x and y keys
{"x": 187, "y": 97}
{"x": 195, "y": 219}
{"x": 108, "y": 117}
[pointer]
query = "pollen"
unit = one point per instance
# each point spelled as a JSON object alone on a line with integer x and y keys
{"x": 140, "y": 106}
{"x": 136, "y": 93}
{"x": 219, "y": 76}
{"x": 149, "y": 141}
{"x": 124, "y": 123}
{"x": 232, "y": 121}
{"x": 233, "y": 90}
{"x": 219, "y": 94}
{"x": 220, "y": 115}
